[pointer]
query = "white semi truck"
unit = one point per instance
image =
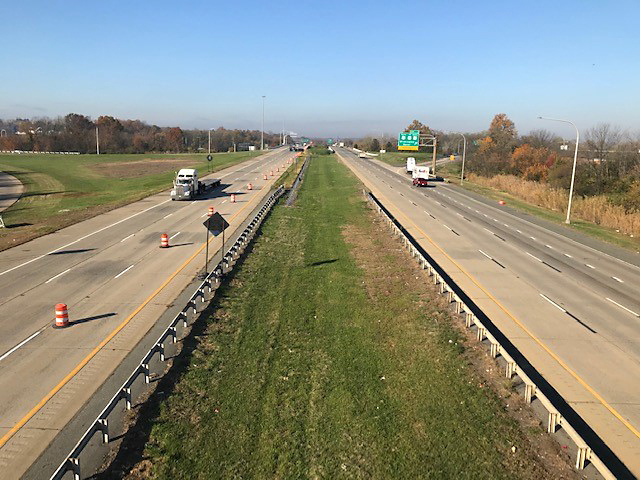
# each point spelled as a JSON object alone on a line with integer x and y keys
{"x": 186, "y": 185}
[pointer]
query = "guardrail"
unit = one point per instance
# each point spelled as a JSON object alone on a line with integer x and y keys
{"x": 590, "y": 446}
{"x": 204, "y": 293}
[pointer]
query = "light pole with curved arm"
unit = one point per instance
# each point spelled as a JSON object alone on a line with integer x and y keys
{"x": 575, "y": 161}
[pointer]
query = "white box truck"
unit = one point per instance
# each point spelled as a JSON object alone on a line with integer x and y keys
{"x": 420, "y": 175}
{"x": 411, "y": 163}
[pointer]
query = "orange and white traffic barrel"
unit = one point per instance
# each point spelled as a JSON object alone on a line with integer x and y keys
{"x": 164, "y": 241}
{"x": 211, "y": 211}
{"x": 233, "y": 198}
{"x": 62, "y": 315}
{"x": 250, "y": 186}
{"x": 271, "y": 173}
{"x": 265, "y": 176}
{"x": 277, "y": 169}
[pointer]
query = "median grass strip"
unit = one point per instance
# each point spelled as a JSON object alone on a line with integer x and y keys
{"x": 64, "y": 189}
{"x": 327, "y": 356}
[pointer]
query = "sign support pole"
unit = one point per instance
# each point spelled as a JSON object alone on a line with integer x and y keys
{"x": 206, "y": 255}
{"x": 433, "y": 167}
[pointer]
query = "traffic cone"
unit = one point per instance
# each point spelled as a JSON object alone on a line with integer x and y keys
{"x": 62, "y": 316}
{"x": 164, "y": 241}
{"x": 211, "y": 211}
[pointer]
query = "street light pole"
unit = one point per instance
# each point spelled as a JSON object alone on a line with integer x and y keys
{"x": 209, "y": 141}
{"x": 262, "y": 134}
{"x": 575, "y": 161}
{"x": 97, "y": 142}
{"x": 464, "y": 155}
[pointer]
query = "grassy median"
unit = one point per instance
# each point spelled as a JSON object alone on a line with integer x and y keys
{"x": 64, "y": 189}
{"x": 328, "y": 356}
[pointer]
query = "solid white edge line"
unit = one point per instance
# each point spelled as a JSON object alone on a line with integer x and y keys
{"x": 124, "y": 271}
{"x": 553, "y": 303}
{"x": 623, "y": 307}
{"x": 5, "y": 355}
{"x": 174, "y": 235}
{"x": 127, "y": 237}
{"x": 533, "y": 256}
{"x": 485, "y": 255}
{"x": 58, "y": 275}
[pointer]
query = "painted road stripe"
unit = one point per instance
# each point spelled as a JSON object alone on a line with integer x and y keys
{"x": 624, "y": 308}
{"x": 174, "y": 235}
{"x": 567, "y": 255}
{"x": 127, "y": 237}
{"x": 590, "y": 266}
{"x": 553, "y": 303}
{"x": 618, "y": 280}
{"x": 485, "y": 255}
{"x": 167, "y": 216}
{"x": 548, "y": 246}
{"x": 533, "y": 256}
{"x": 124, "y": 271}
{"x": 58, "y": 275}
{"x": 5, "y": 355}
{"x": 445, "y": 226}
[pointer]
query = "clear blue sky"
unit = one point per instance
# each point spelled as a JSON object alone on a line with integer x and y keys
{"x": 331, "y": 68}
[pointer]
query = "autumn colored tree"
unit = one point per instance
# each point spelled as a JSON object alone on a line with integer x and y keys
{"x": 417, "y": 125}
{"x": 174, "y": 138}
{"x": 494, "y": 150}
{"x": 531, "y": 163}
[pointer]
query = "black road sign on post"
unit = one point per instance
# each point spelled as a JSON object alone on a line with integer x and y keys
{"x": 216, "y": 224}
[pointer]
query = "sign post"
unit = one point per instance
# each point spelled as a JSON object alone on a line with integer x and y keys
{"x": 216, "y": 224}
{"x": 209, "y": 158}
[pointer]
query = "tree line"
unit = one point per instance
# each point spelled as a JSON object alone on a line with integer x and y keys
{"x": 77, "y": 133}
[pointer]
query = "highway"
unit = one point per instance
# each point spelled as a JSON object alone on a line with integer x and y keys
{"x": 117, "y": 282}
{"x": 572, "y": 309}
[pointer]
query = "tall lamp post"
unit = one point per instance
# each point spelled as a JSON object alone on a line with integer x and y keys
{"x": 575, "y": 161}
{"x": 262, "y": 134}
{"x": 210, "y": 140}
{"x": 464, "y": 156}
{"x": 97, "y": 142}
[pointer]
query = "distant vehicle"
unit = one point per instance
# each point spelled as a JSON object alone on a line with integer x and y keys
{"x": 420, "y": 175}
{"x": 411, "y": 163}
{"x": 342, "y": 144}
{"x": 362, "y": 155}
{"x": 186, "y": 185}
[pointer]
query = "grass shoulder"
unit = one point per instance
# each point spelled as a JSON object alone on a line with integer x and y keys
{"x": 328, "y": 356}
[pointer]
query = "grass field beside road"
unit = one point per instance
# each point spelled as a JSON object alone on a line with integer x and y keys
{"x": 63, "y": 189}
{"x": 329, "y": 357}
{"x": 399, "y": 159}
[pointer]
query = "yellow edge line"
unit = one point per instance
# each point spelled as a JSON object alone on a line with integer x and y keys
{"x": 7, "y": 436}
{"x": 536, "y": 339}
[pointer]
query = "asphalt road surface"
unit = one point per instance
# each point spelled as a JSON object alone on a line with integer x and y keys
{"x": 117, "y": 282}
{"x": 10, "y": 190}
{"x": 573, "y": 310}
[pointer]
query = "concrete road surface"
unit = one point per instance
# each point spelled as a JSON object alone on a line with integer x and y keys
{"x": 10, "y": 190}
{"x": 117, "y": 282}
{"x": 572, "y": 309}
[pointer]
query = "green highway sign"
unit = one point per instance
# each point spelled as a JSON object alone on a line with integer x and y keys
{"x": 329, "y": 141}
{"x": 409, "y": 140}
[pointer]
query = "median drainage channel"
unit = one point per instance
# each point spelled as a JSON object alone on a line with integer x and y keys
{"x": 111, "y": 425}
{"x": 561, "y": 419}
